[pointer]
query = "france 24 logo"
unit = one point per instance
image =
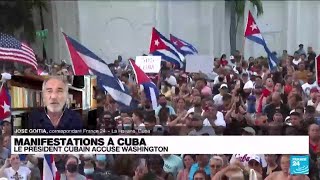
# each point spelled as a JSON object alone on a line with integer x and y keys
{"x": 299, "y": 165}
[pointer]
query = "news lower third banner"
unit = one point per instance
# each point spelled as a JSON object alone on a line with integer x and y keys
{"x": 159, "y": 144}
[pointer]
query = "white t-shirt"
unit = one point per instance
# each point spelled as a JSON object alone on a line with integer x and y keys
{"x": 171, "y": 80}
{"x": 22, "y": 173}
{"x": 310, "y": 103}
{"x": 296, "y": 62}
{"x": 306, "y": 87}
{"x": 218, "y": 100}
{"x": 216, "y": 80}
{"x": 173, "y": 164}
{"x": 248, "y": 85}
{"x": 218, "y": 122}
{"x": 244, "y": 158}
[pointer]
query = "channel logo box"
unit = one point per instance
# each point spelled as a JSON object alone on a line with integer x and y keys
{"x": 299, "y": 165}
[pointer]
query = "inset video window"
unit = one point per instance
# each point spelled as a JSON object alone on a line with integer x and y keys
{"x": 52, "y": 104}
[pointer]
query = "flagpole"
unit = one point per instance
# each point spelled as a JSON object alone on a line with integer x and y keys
{"x": 2, "y": 83}
{"x": 245, "y": 20}
{"x": 74, "y": 72}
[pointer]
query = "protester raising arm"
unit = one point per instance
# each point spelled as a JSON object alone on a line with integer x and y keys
{"x": 6, "y": 165}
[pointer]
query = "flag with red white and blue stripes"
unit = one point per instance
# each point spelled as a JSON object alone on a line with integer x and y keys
{"x": 85, "y": 62}
{"x": 253, "y": 33}
{"x": 150, "y": 89}
{"x": 184, "y": 47}
{"x": 50, "y": 171}
{"x": 161, "y": 46}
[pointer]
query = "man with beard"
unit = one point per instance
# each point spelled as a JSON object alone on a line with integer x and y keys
{"x": 55, "y": 115}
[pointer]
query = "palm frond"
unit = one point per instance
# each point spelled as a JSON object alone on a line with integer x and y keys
{"x": 258, "y": 5}
{"x": 239, "y": 7}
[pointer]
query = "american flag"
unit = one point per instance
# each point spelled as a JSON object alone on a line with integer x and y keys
{"x": 13, "y": 50}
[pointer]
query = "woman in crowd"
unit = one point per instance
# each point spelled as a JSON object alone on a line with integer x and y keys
{"x": 200, "y": 175}
{"x": 72, "y": 167}
{"x": 188, "y": 160}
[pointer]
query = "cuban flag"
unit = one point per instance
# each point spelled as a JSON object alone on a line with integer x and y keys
{"x": 161, "y": 46}
{"x": 150, "y": 89}
{"x": 5, "y": 103}
{"x": 50, "y": 171}
{"x": 86, "y": 62}
{"x": 253, "y": 33}
{"x": 41, "y": 72}
{"x": 184, "y": 47}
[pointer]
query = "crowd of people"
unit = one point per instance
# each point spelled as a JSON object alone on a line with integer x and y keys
{"x": 239, "y": 97}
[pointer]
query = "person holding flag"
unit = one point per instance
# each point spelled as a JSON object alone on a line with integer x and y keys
{"x": 252, "y": 32}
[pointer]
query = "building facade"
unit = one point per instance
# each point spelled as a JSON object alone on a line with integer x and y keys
{"x": 112, "y": 28}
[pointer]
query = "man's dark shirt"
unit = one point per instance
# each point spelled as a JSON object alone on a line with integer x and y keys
{"x": 270, "y": 110}
{"x": 70, "y": 120}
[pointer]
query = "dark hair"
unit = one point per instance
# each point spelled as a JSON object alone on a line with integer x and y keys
{"x": 161, "y": 95}
{"x": 226, "y": 97}
{"x": 200, "y": 172}
{"x": 138, "y": 113}
{"x": 150, "y": 118}
{"x": 310, "y": 109}
{"x": 155, "y": 159}
{"x": 223, "y": 56}
{"x": 124, "y": 164}
{"x": 72, "y": 157}
{"x": 125, "y": 74}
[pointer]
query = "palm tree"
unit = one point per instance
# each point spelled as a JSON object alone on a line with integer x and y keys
{"x": 237, "y": 13}
{"x": 17, "y": 14}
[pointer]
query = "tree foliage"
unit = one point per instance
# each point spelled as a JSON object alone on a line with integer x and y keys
{"x": 17, "y": 14}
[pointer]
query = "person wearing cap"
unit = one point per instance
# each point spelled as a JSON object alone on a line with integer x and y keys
{"x": 296, "y": 123}
{"x": 314, "y": 99}
{"x": 301, "y": 51}
{"x": 255, "y": 164}
{"x": 232, "y": 61}
{"x": 245, "y": 158}
{"x": 248, "y": 84}
{"x": 55, "y": 115}
{"x": 218, "y": 98}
